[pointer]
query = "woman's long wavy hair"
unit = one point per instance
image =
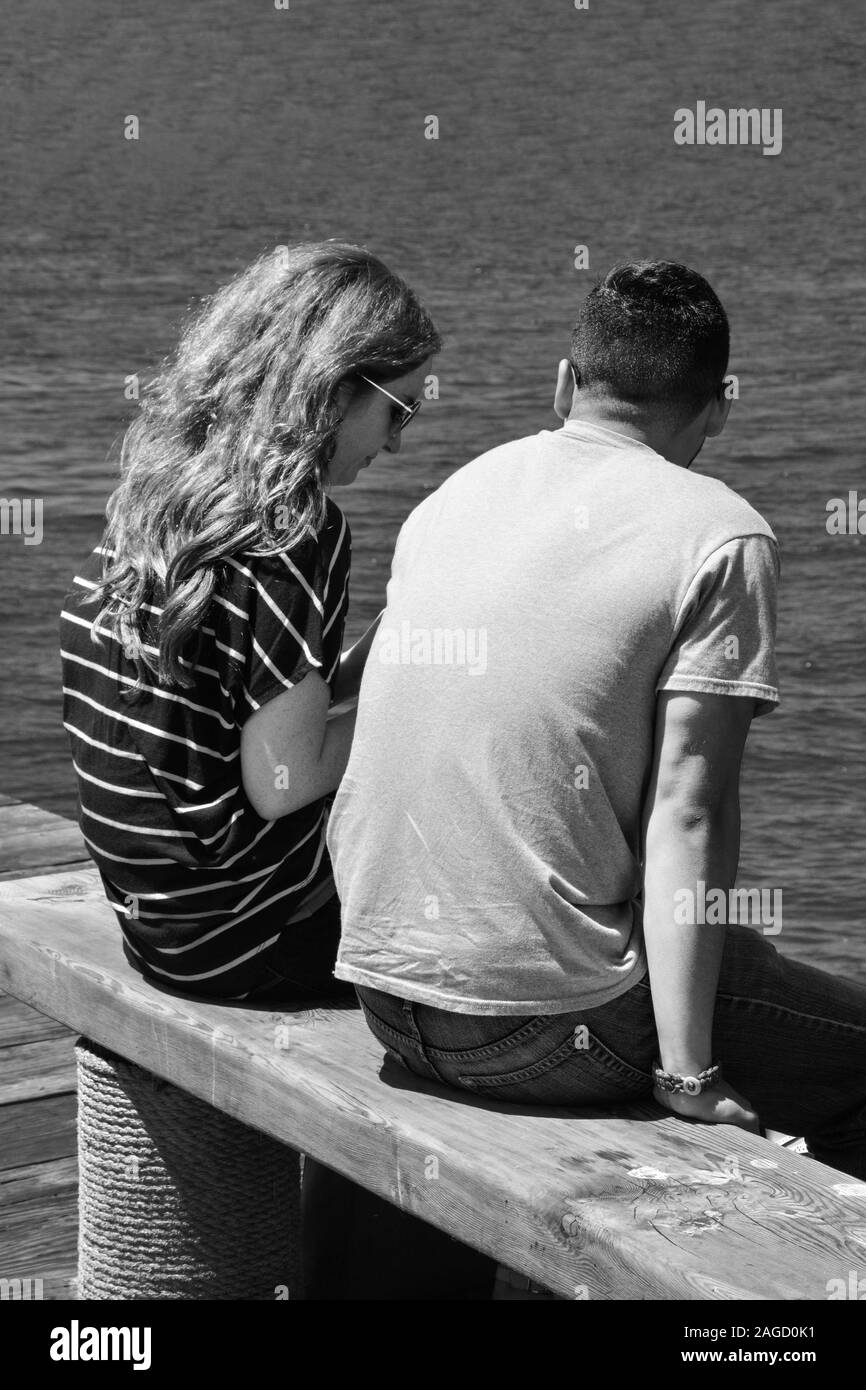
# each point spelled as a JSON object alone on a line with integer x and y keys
{"x": 236, "y": 433}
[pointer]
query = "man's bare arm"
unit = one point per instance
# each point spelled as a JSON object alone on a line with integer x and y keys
{"x": 692, "y": 833}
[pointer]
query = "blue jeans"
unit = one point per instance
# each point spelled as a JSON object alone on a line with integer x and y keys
{"x": 791, "y": 1039}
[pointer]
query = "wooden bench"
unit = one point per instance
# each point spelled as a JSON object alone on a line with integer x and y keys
{"x": 628, "y": 1205}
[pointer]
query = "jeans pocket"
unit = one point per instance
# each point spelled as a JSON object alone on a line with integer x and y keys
{"x": 577, "y": 1070}
{"x": 399, "y": 1045}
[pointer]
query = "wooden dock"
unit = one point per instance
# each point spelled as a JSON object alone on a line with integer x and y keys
{"x": 38, "y": 1164}
{"x": 38, "y": 1141}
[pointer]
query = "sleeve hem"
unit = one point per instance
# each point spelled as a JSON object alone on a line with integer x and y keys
{"x": 714, "y": 685}
{"x": 264, "y": 694}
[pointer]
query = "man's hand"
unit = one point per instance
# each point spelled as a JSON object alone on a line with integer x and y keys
{"x": 720, "y": 1105}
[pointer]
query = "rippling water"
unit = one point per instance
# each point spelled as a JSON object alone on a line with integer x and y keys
{"x": 261, "y": 126}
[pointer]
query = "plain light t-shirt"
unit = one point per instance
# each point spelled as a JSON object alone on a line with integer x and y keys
{"x": 485, "y": 837}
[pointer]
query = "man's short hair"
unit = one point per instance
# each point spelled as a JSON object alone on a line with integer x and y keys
{"x": 652, "y": 335}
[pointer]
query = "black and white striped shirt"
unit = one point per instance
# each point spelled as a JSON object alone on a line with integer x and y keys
{"x": 202, "y": 886}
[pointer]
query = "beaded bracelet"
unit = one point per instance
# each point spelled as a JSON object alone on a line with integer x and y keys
{"x": 690, "y": 1085}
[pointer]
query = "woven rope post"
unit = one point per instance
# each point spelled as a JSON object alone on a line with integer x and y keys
{"x": 177, "y": 1200}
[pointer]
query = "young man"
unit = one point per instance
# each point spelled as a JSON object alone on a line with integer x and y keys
{"x": 545, "y": 767}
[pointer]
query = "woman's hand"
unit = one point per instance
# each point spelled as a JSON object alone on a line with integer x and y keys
{"x": 720, "y": 1105}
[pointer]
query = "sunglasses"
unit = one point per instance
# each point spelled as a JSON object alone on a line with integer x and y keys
{"x": 409, "y": 411}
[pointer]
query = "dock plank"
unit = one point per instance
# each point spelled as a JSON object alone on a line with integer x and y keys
{"x": 37, "y": 1131}
{"x": 33, "y": 1069}
{"x": 630, "y": 1204}
{"x": 33, "y": 840}
{"x": 38, "y": 1190}
{"x": 40, "y": 1241}
{"x": 21, "y": 1024}
{"x": 36, "y": 1182}
{"x": 39, "y": 1226}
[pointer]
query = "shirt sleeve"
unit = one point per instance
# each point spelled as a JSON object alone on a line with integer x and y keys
{"x": 286, "y": 615}
{"x": 725, "y": 633}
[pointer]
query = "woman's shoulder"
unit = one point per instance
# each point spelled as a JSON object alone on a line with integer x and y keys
{"x": 309, "y": 573}
{"x": 310, "y": 557}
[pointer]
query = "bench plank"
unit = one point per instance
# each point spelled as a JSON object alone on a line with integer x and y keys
{"x": 632, "y": 1204}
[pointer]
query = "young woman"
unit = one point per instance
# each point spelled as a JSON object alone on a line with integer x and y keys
{"x": 201, "y": 646}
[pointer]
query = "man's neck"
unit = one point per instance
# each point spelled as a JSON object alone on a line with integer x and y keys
{"x": 681, "y": 449}
{"x": 596, "y": 413}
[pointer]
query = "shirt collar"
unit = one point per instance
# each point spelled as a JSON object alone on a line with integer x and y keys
{"x": 579, "y": 429}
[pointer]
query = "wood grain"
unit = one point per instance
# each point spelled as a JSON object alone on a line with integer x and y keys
{"x": 40, "y": 1244}
{"x": 21, "y": 1024}
{"x": 33, "y": 840}
{"x": 37, "y": 1131}
{"x": 34, "y": 1069}
{"x": 39, "y": 1198}
{"x": 39, "y": 1224}
{"x": 627, "y": 1205}
{"x": 44, "y": 1182}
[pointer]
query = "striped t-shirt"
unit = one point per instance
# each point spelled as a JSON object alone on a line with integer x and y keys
{"x": 202, "y": 886}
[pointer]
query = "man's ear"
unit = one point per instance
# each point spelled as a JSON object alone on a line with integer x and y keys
{"x": 717, "y": 418}
{"x": 566, "y": 386}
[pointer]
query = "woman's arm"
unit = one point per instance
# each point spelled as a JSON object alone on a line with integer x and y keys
{"x": 291, "y": 752}
{"x": 352, "y": 662}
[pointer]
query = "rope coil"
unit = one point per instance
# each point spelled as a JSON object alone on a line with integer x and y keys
{"x": 176, "y": 1199}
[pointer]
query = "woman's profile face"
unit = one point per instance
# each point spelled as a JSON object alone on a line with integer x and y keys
{"x": 371, "y": 421}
